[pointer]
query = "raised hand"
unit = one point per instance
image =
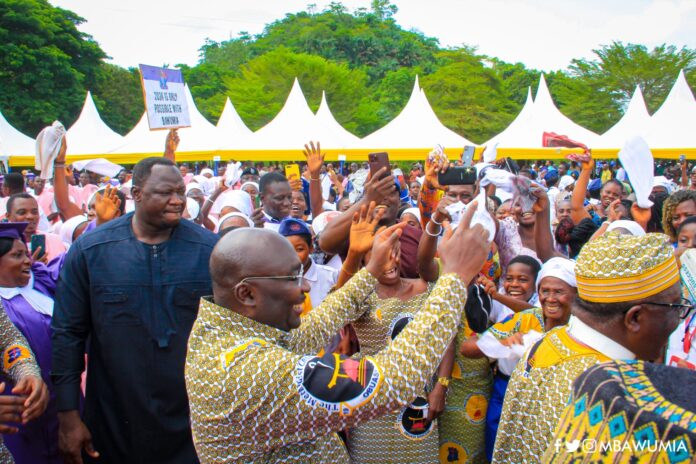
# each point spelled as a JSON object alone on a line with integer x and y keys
{"x": 258, "y": 218}
{"x": 465, "y": 250}
{"x": 364, "y": 228}
{"x": 107, "y": 205}
{"x": 641, "y": 215}
{"x": 60, "y": 159}
{"x": 434, "y": 166}
{"x": 377, "y": 189}
{"x": 35, "y": 256}
{"x": 295, "y": 183}
{"x": 614, "y": 210}
{"x": 441, "y": 213}
{"x": 386, "y": 250}
{"x": 315, "y": 159}
{"x": 36, "y": 393}
{"x": 542, "y": 203}
{"x": 488, "y": 285}
{"x": 171, "y": 143}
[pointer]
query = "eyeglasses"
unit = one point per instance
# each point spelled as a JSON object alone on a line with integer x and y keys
{"x": 684, "y": 307}
{"x": 298, "y": 277}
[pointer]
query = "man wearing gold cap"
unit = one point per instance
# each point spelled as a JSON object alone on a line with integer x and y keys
{"x": 629, "y": 302}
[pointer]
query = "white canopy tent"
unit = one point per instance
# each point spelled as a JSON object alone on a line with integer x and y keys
{"x": 202, "y": 136}
{"x": 635, "y": 122}
{"x": 417, "y": 126}
{"x": 325, "y": 119}
{"x": 13, "y": 142}
{"x": 674, "y": 124}
{"x": 89, "y": 134}
{"x": 526, "y": 131}
{"x": 231, "y": 130}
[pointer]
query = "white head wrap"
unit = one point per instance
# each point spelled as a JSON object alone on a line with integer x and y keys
{"x": 207, "y": 171}
{"x": 413, "y": 211}
{"x": 565, "y": 182}
{"x": 193, "y": 186}
{"x": 236, "y": 214}
{"x": 632, "y": 226}
{"x": 237, "y": 199}
{"x": 560, "y": 268}
{"x": 662, "y": 181}
{"x": 193, "y": 208}
{"x": 254, "y": 184}
{"x": 67, "y": 230}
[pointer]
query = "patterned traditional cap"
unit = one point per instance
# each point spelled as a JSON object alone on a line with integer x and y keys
{"x": 615, "y": 268}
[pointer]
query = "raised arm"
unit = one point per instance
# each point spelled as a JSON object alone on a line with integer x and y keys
{"x": 427, "y": 248}
{"x": 542, "y": 230}
{"x": 334, "y": 238}
{"x": 362, "y": 234}
{"x": 577, "y": 199}
{"x": 315, "y": 159}
{"x": 66, "y": 208}
{"x": 171, "y": 144}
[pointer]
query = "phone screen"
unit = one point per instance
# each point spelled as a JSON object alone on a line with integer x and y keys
{"x": 36, "y": 242}
{"x": 468, "y": 155}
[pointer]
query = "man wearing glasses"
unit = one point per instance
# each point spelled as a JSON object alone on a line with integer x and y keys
{"x": 258, "y": 390}
{"x": 629, "y": 302}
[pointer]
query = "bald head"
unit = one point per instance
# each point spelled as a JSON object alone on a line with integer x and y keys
{"x": 248, "y": 252}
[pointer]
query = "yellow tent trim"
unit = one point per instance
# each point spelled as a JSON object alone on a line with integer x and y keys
{"x": 355, "y": 154}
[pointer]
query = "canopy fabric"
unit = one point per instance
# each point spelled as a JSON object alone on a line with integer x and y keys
{"x": 542, "y": 116}
{"x": 674, "y": 124}
{"x": 417, "y": 126}
{"x": 89, "y": 134}
{"x": 231, "y": 129}
{"x": 325, "y": 118}
{"x": 636, "y": 121}
{"x": 13, "y": 142}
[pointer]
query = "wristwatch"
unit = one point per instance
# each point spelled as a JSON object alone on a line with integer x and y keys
{"x": 444, "y": 381}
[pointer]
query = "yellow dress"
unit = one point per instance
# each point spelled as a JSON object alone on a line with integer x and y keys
{"x": 538, "y": 392}
{"x": 463, "y": 422}
{"x": 403, "y": 435}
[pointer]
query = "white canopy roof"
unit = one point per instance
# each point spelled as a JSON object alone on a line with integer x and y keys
{"x": 635, "y": 122}
{"x": 325, "y": 118}
{"x": 230, "y": 127}
{"x": 89, "y": 134}
{"x": 527, "y": 129}
{"x": 417, "y": 126}
{"x": 13, "y": 142}
{"x": 674, "y": 124}
{"x": 201, "y": 136}
{"x": 293, "y": 127}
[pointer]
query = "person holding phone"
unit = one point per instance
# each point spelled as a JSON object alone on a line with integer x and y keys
{"x": 26, "y": 293}
{"x": 22, "y": 207}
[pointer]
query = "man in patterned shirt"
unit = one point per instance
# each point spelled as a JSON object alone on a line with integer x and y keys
{"x": 257, "y": 390}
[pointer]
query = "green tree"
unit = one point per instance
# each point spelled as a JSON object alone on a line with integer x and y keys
{"x": 46, "y": 64}
{"x": 265, "y": 82}
{"x": 618, "y": 68}
{"x": 119, "y": 98}
{"x": 468, "y": 97}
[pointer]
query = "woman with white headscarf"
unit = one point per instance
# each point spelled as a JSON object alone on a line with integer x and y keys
{"x": 507, "y": 341}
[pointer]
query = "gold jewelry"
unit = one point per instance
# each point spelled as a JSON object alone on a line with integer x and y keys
{"x": 444, "y": 381}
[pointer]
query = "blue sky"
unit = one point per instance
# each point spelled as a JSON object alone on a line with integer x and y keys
{"x": 544, "y": 34}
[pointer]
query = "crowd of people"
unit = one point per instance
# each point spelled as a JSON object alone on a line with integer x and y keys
{"x": 182, "y": 313}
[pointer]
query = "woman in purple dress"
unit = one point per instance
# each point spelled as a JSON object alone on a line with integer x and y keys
{"x": 26, "y": 292}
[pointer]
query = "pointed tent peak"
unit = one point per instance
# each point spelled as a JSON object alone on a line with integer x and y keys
{"x": 681, "y": 89}
{"x": 89, "y": 107}
{"x": 530, "y": 99}
{"x": 543, "y": 95}
{"x": 196, "y": 117}
{"x": 637, "y": 103}
{"x": 324, "y": 105}
{"x": 416, "y": 84}
{"x": 230, "y": 119}
{"x": 296, "y": 100}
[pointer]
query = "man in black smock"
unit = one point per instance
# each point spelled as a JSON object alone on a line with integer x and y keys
{"x": 128, "y": 296}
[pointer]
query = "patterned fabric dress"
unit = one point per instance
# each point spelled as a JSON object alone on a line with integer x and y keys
{"x": 537, "y": 394}
{"x": 402, "y": 436}
{"x": 626, "y": 412}
{"x": 463, "y": 422}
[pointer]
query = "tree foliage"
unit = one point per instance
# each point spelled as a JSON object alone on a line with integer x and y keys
{"x": 363, "y": 59}
{"x": 45, "y": 63}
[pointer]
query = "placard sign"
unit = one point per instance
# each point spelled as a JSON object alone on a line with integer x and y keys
{"x": 165, "y": 98}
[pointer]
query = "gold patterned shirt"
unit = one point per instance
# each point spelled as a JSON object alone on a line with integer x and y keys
{"x": 257, "y": 394}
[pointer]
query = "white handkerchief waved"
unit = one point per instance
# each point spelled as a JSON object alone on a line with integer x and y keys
{"x": 48, "y": 144}
{"x": 638, "y": 162}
